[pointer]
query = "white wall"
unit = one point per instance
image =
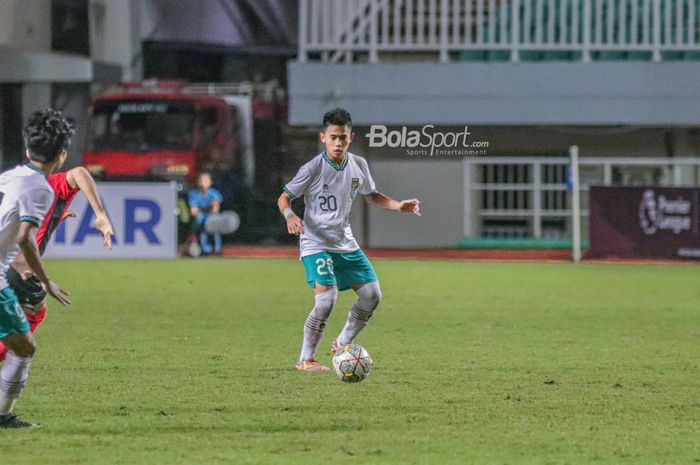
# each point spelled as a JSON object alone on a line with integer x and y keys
{"x": 438, "y": 186}
{"x": 35, "y": 97}
{"x": 195, "y": 21}
{"x": 116, "y": 29}
{"x": 25, "y": 25}
{"x": 119, "y": 27}
{"x": 527, "y": 93}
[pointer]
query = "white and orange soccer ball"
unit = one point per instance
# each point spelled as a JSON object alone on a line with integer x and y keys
{"x": 352, "y": 363}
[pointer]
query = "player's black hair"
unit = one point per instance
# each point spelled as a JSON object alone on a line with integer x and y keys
{"x": 337, "y": 117}
{"x": 47, "y": 134}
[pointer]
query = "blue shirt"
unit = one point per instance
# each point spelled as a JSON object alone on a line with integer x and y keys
{"x": 204, "y": 201}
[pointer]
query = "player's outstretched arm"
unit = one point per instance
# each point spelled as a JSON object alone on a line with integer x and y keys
{"x": 27, "y": 243}
{"x": 387, "y": 203}
{"x": 294, "y": 224}
{"x": 82, "y": 179}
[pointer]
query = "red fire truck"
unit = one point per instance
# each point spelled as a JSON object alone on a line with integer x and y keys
{"x": 171, "y": 131}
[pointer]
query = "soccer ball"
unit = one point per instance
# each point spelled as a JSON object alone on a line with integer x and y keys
{"x": 352, "y": 363}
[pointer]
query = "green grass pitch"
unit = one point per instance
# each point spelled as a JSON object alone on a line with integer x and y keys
{"x": 190, "y": 362}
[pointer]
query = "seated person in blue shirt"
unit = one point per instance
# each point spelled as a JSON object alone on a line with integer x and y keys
{"x": 205, "y": 200}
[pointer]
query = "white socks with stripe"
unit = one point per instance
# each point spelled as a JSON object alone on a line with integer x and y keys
{"x": 13, "y": 375}
{"x": 316, "y": 322}
{"x": 369, "y": 297}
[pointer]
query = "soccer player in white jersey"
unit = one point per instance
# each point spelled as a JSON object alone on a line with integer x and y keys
{"x": 332, "y": 258}
{"x": 25, "y": 197}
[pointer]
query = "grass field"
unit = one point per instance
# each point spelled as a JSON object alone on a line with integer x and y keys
{"x": 190, "y": 362}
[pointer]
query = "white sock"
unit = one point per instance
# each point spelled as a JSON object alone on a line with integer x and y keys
{"x": 369, "y": 297}
{"x": 316, "y": 322}
{"x": 13, "y": 375}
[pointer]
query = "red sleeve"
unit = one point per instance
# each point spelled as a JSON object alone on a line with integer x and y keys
{"x": 63, "y": 199}
{"x": 59, "y": 184}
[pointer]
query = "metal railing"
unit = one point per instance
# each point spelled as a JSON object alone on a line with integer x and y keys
{"x": 350, "y": 30}
{"x": 526, "y": 197}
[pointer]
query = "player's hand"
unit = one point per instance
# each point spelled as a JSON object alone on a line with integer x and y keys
{"x": 104, "y": 226}
{"x": 295, "y": 225}
{"x": 68, "y": 214}
{"x": 410, "y": 206}
{"x": 55, "y": 291}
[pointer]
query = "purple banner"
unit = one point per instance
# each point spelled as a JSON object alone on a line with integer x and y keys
{"x": 634, "y": 222}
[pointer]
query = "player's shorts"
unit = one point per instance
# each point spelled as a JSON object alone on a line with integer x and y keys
{"x": 12, "y": 318}
{"x": 339, "y": 269}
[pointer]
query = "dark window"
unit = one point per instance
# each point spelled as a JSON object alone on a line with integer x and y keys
{"x": 11, "y": 143}
{"x": 141, "y": 125}
{"x": 209, "y": 124}
{"x": 70, "y": 26}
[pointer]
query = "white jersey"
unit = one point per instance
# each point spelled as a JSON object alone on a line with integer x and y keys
{"x": 25, "y": 195}
{"x": 328, "y": 191}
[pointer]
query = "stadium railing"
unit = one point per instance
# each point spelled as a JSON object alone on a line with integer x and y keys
{"x": 526, "y": 200}
{"x": 367, "y": 30}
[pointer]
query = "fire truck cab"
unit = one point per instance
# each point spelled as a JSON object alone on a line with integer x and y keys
{"x": 171, "y": 131}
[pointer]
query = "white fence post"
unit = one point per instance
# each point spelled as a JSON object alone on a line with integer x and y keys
{"x": 607, "y": 174}
{"x": 656, "y": 31}
{"x": 677, "y": 175}
{"x": 515, "y": 32}
{"x": 444, "y": 31}
{"x": 468, "y": 226}
{"x": 373, "y": 56}
{"x": 303, "y": 32}
{"x": 537, "y": 200}
{"x": 586, "y": 55}
{"x": 575, "y": 206}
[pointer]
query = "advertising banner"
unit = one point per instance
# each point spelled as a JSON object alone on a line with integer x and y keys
{"x": 633, "y": 222}
{"x": 143, "y": 215}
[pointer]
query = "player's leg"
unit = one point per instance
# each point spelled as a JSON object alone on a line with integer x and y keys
{"x": 31, "y": 295}
{"x": 321, "y": 278}
{"x": 355, "y": 271}
{"x": 217, "y": 243}
{"x": 204, "y": 243}
{"x": 202, "y": 236}
{"x": 15, "y": 335}
{"x": 34, "y": 319}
